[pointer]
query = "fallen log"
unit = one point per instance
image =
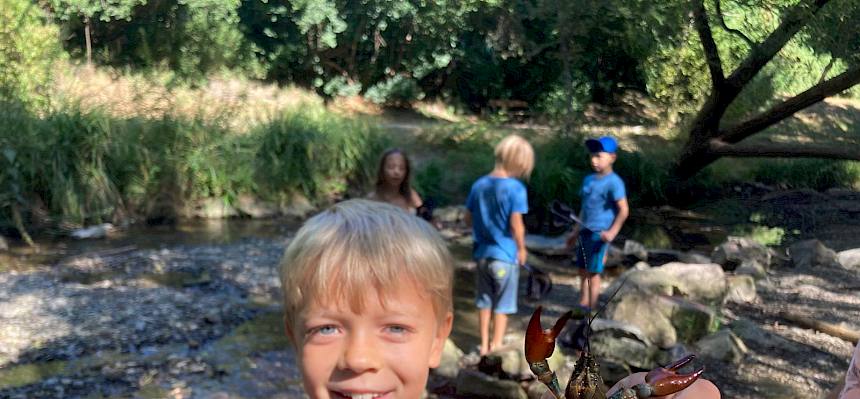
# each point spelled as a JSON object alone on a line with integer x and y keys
{"x": 835, "y": 330}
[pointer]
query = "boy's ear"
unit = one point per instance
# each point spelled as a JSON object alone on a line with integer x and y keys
{"x": 442, "y": 334}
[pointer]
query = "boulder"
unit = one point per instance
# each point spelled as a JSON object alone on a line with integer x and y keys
{"x": 255, "y": 208}
{"x": 812, "y": 253}
{"x": 645, "y": 311}
{"x": 849, "y": 259}
{"x": 297, "y": 206}
{"x": 474, "y": 384}
{"x": 611, "y": 339}
{"x": 698, "y": 282}
{"x": 664, "y": 320}
{"x": 736, "y": 250}
{"x": 212, "y": 208}
{"x": 449, "y": 214}
{"x": 449, "y": 365}
{"x": 753, "y": 269}
{"x": 635, "y": 250}
{"x": 547, "y": 245}
{"x": 98, "y": 231}
{"x": 723, "y": 346}
{"x": 741, "y": 289}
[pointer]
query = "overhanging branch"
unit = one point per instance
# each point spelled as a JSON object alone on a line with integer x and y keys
{"x": 737, "y": 32}
{"x": 784, "y": 150}
{"x": 760, "y": 55}
{"x": 789, "y": 107}
{"x": 712, "y": 55}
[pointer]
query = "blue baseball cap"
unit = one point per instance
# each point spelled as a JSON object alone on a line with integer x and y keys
{"x": 603, "y": 144}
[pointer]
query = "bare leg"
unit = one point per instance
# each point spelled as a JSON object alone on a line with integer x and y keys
{"x": 583, "y": 287}
{"x": 484, "y": 323}
{"x": 500, "y": 324}
{"x": 594, "y": 289}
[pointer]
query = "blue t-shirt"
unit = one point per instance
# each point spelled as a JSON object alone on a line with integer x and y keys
{"x": 491, "y": 201}
{"x": 600, "y": 196}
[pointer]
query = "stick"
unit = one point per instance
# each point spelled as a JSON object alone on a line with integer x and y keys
{"x": 827, "y": 328}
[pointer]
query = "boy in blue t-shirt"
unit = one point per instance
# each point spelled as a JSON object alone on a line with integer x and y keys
{"x": 496, "y": 205}
{"x": 604, "y": 210}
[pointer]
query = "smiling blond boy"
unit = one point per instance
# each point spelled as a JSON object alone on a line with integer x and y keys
{"x": 367, "y": 301}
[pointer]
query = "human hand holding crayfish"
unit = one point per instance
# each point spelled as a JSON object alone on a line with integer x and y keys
{"x": 586, "y": 383}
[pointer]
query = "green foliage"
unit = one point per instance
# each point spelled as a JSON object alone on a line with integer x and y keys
{"x": 817, "y": 174}
{"x": 316, "y": 153}
{"x": 28, "y": 49}
{"x": 770, "y": 236}
{"x": 398, "y": 91}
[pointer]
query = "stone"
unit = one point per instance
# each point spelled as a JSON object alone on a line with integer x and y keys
{"x": 297, "y": 206}
{"x": 736, "y": 250}
{"x": 98, "y": 231}
{"x": 849, "y": 259}
{"x": 4, "y": 245}
{"x": 624, "y": 341}
{"x": 546, "y": 245}
{"x": 449, "y": 214}
{"x": 449, "y": 365}
{"x": 812, "y": 253}
{"x": 643, "y": 311}
{"x": 255, "y": 208}
{"x": 753, "y": 269}
{"x": 213, "y": 208}
{"x": 698, "y": 282}
{"x": 742, "y": 289}
{"x": 691, "y": 320}
{"x": 633, "y": 249}
{"x": 724, "y": 346}
{"x": 474, "y": 384}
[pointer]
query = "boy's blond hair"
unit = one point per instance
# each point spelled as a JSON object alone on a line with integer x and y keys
{"x": 359, "y": 245}
{"x": 515, "y": 155}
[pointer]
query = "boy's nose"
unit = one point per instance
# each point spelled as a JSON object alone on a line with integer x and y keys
{"x": 360, "y": 355}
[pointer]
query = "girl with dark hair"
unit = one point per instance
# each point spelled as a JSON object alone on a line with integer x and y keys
{"x": 393, "y": 182}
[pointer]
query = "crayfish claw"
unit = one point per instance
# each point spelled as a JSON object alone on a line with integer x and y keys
{"x": 539, "y": 346}
{"x": 666, "y": 380}
{"x": 540, "y": 343}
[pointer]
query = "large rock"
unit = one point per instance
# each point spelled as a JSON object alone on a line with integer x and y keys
{"x": 297, "y": 206}
{"x": 612, "y": 339}
{"x": 449, "y": 366}
{"x": 753, "y": 269}
{"x": 737, "y": 250}
{"x": 812, "y": 253}
{"x": 742, "y": 289}
{"x": 212, "y": 208}
{"x": 698, "y": 282}
{"x": 633, "y": 249}
{"x": 547, "y": 245}
{"x": 255, "y": 208}
{"x": 723, "y": 346}
{"x": 474, "y": 384}
{"x": 449, "y": 214}
{"x": 664, "y": 320}
{"x": 849, "y": 259}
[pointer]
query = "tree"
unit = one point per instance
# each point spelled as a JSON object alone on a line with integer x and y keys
{"x": 87, "y": 10}
{"x": 708, "y": 139}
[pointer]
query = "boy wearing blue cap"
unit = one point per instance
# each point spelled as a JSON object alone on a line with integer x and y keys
{"x": 604, "y": 210}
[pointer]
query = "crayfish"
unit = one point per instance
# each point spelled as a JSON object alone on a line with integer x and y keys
{"x": 586, "y": 383}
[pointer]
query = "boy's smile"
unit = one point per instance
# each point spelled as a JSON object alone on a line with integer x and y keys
{"x": 383, "y": 351}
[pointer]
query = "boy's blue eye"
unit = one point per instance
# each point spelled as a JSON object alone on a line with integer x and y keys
{"x": 397, "y": 329}
{"x": 327, "y": 330}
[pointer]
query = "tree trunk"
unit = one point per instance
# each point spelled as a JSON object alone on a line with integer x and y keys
{"x": 88, "y": 40}
{"x": 706, "y": 141}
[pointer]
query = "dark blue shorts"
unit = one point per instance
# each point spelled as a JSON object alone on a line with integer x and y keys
{"x": 592, "y": 249}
